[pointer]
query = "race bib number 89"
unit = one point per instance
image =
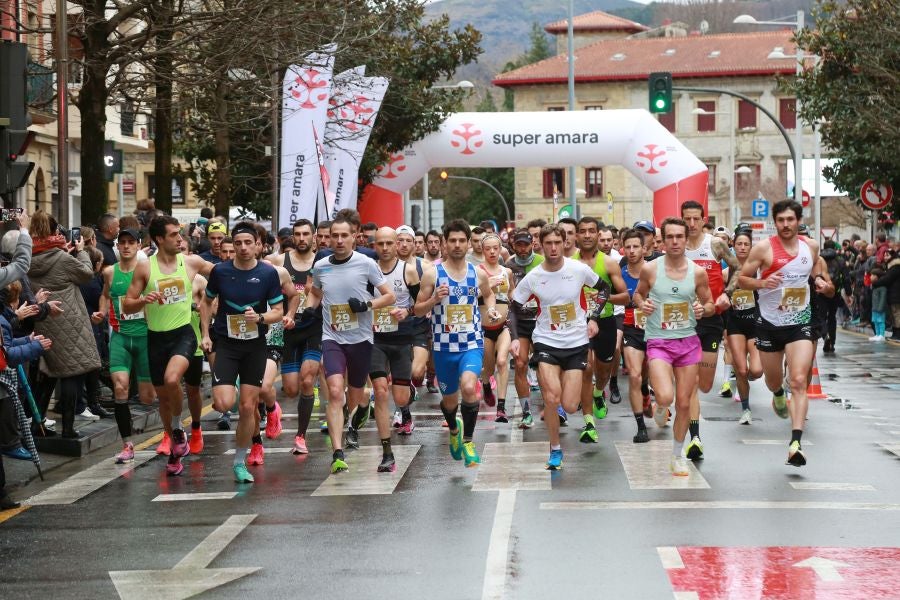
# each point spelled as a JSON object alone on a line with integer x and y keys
{"x": 172, "y": 289}
{"x": 342, "y": 318}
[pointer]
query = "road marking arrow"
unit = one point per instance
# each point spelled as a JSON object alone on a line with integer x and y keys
{"x": 826, "y": 569}
{"x": 190, "y": 576}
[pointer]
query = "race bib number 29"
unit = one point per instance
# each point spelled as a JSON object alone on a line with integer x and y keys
{"x": 342, "y": 318}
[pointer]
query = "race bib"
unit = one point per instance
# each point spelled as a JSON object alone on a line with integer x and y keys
{"x": 460, "y": 318}
{"x": 301, "y": 291}
{"x": 743, "y": 300}
{"x": 342, "y": 318}
{"x": 675, "y": 315}
{"x": 562, "y": 316}
{"x": 793, "y": 299}
{"x": 123, "y": 316}
{"x": 532, "y": 304}
{"x": 383, "y": 321}
{"x": 172, "y": 289}
{"x": 239, "y": 328}
{"x": 640, "y": 319}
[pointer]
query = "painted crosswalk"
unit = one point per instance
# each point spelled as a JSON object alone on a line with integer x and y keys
{"x": 90, "y": 480}
{"x": 647, "y": 467}
{"x": 513, "y": 467}
{"x": 363, "y": 479}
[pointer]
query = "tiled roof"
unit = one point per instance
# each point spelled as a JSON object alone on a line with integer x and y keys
{"x": 731, "y": 54}
{"x": 596, "y": 21}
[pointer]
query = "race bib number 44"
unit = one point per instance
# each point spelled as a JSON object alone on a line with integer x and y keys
{"x": 675, "y": 315}
{"x": 460, "y": 318}
{"x": 239, "y": 328}
{"x": 562, "y": 316}
{"x": 172, "y": 289}
{"x": 342, "y": 318}
{"x": 382, "y": 321}
{"x": 793, "y": 299}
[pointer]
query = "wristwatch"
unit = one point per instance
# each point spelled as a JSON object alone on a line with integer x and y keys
{"x": 260, "y": 319}
{"x": 369, "y": 304}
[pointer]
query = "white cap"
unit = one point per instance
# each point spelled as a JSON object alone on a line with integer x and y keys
{"x": 407, "y": 230}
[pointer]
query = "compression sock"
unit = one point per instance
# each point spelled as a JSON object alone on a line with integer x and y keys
{"x": 123, "y": 419}
{"x": 694, "y": 428}
{"x": 450, "y": 416}
{"x": 470, "y": 417}
{"x": 304, "y": 413}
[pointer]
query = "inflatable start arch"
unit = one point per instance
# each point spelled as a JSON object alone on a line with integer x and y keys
{"x": 633, "y": 139}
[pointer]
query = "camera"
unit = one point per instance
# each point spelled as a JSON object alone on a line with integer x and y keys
{"x": 10, "y": 214}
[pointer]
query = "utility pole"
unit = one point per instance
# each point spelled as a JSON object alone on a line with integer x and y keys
{"x": 62, "y": 110}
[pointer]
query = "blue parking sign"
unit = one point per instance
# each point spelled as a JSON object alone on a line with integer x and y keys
{"x": 761, "y": 208}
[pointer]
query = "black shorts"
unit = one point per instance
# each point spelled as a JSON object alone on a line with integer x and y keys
{"x": 300, "y": 345}
{"x": 494, "y": 334}
{"x": 391, "y": 359}
{"x": 352, "y": 360}
{"x": 710, "y": 331}
{"x": 524, "y": 329}
{"x": 769, "y": 339}
{"x": 620, "y": 322}
{"x": 422, "y": 339}
{"x": 568, "y": 359}
{"x": 194, "y": 374}
{"x": 634, "y": 338}
{"x": 273, "y": 353}
{"x": 240, "y": 358}
{"x": 163, "y": 345}
{"x": 604, "y": 343}
{"x": 741, "y": 326}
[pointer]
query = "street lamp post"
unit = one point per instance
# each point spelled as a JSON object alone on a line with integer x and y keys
{"x": 445, "y": 176}
{"x": 732, "y": 206}
{"x": 573, "y": 196}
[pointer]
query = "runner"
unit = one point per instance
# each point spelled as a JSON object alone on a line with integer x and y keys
{"x": 226, "y": 253}
{"x": 245, "y": 289}
{"x": 674, "y": 292}
{"x": 434, "y": 243}
{"x": 784, "y": 263}
{"x": 161, "y": 288}
{"x": 521, "y": 264}
{"x": 634, "y": 323}
{"x": 407, "y": 241}
{"x": 497, "y": 338}
{"x": 570, "y": 228}
{"x": 562, "y": 329}
{"x": 420, "y": 244}
{"x": 534, "y": 230}
{"x": 708, "y": 252}
{"x": 323, "y": 235}
{"x": 608, "y": 243}
{"x": 341, "y": 286}
{"x": 475, "y": 255}
{"x": 450, "y": 292}
{"x": 394, "y": 332}
{"x": 215, "y": 234}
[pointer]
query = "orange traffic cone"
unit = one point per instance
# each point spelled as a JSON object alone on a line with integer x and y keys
{"x": 814, "y": 391}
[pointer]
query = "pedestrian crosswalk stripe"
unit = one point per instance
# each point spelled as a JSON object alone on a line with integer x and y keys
{"x": 513, "y": 467}
{"x": 363, "y": 479}
{"x": 772, "y": 443}
{"x": 85, "y": 482}
{"x": 195, "y": 496}
{"x": 837, "y": 487}
{"x": 647, "y": 467}
{"x": 718, "y": 504}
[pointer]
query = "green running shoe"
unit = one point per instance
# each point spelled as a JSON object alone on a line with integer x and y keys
{"x": 456, "y": 441}
{"x": 588, "y": 434}
{"x": 471, "y": 454}
{"x": 600, "y": 409}
{"x": 338, "y": 465}
{"x": 796, "y": 458}
{"x": 241, "y": 474}
{"x": 527, "y": 421}
{"x": 695, "y": 449}
{"x": 779, "y": 405}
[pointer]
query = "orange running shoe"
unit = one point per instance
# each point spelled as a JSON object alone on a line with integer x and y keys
{"x": 256, "y": 456}
{"x": 273, "y": 423}
{"x": 165, "y": 446}
{"x": 196, "y": 440}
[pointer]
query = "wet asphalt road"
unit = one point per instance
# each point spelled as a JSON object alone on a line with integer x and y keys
{"x": 611, "y": 524}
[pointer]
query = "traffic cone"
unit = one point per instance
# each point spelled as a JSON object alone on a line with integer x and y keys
{"x": 814, "y": 391}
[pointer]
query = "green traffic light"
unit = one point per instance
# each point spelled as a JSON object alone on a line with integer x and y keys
{"x": 660, "y": 103}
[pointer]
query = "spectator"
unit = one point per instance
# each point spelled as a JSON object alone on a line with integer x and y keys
{"x": 891, "y": 281}
{"x": 91, "y": 292}
{"x": 89, "y": 236}
{"x": 144, "y": 212}
{"x": 107, "y": 233}
{"x": 879, "y": 305}
{"x": 53, "y": 268}
{"x": 882, "y": 246}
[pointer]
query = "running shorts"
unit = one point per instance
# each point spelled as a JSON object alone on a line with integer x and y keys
{"x": 391, "y": 359}
{"x": 634, "y": 338}
{"x": 710, "y": 331}
{"x": 567, "y": 359}
{"x": 178, "y": 342}
{"x": 301, "y": 345}
{"x": 352, "y": 359}
{"x": 449, "y": 367}
{"x": 240, "y": 358}
{"x": 774, "y": 339}
{"x": 604, "y": 343}
{"x": 127, "y": 353}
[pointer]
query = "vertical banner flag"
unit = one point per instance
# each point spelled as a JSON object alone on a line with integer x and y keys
{"x": 352, "y": 110}
{"x": 305, "y": 92}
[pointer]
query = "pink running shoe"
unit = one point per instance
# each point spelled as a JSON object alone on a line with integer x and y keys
{"x": 126, "y": 455}
{"x": 174, "y": 466}
{"x": 406, "y": 428}
{"x": 182, "y": 448}
{"x": 299, "y": 445}
{"x": 273, "y": 423}
{"x": 165, "y": 446}
{"x": 257, "y": 455}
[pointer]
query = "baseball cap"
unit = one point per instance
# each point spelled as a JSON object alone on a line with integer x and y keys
{"x": 522, "y": 236}
{"x": 284, "y": 232}
{"x": 217, "y": 228}
{"x": 406, "y": 229}
{"x": 132, "y": 232}
{"x": 645, "y": 226}
{"x": 721, "y": 229}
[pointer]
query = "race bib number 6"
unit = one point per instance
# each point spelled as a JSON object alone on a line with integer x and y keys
{"x": 241, "y": 329}
{"x": 172, "y": 289}
{"x": 675, "y": 315}
{"x": 342, "y": 318}
{"x": 562, "y": 316}
{"x": 460, "y": 318}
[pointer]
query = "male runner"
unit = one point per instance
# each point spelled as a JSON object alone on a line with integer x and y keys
{"x": 433, "y": 247}
{"x": 521, "y": 264}
{"x": 778, "y": 270}
{"x": 394, "y": 332}
{"x": 608, "y": 243}
{"x": 707, "y": 251}
{"x": 475, "y": 255}
{"x": 323, "y": 235}
{"x": 451, "y": 292}
{"x": 226, "y": 253}
{"x": 341, "y": 284}
{"x": 250, "y": 298}
{"x": 161, "y": 287}
{"x": 406, "y": 242}
{"x": 635, "y": 322}
{"x": 562, "y": 329}
{"x": 215, "y": 233}
{"x": 570, "y": 228}
{"x": 534, "y": 230}
{"x": 420, "y": 244}
{"x": 674, "y": 292}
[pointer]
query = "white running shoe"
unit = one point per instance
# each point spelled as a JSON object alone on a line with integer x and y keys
{"x": 661, "y": 416}
{"x": 679, "y": 466}
{"x": 745, "y": 419}
{"x": 876, "y": 338}
{"x": 87, "y": 415}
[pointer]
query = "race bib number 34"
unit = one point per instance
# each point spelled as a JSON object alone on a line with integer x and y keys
{"x": 675, "y": 315}
{"x": 382, "y": 321}
{"x": 239, "y": 328}
{"x": 342, "y": 318}
{"x": 172, "y": 289}
{"x": 793, "y": 299}
{"x": 562, "y": 316}
{"x": 460, "y": 318}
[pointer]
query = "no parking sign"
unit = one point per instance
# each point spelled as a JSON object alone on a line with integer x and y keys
{"x": 876, "y": 195}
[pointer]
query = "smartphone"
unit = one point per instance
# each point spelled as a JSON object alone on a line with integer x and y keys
{"x": 76, "y": 235}
{"x": 10, "y": 214}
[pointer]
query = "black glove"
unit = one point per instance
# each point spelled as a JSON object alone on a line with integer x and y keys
{"x": 307, "y": 314}
{"x": 357, "y": 305}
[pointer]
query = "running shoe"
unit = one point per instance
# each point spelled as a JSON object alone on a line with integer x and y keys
{"x": 316, "y": 396}
{"x": 273, "y": 423}
{"x": 196, "y": 441}
{"x": 165, "y": 446}
{"x": 563, "y": 417}
{"x": 323, "y": 426}
{"x": 299, "y": 445}
{"x": 679, "y": 466}
{"x": 352, "y": 438}
{"x": 432, "y": 386}
{"x": 224, "y": 423}
{"x": 338, "y": 465}
{"x": 444, "y": 424}
{"x": 180, "y": 445}
{"x": 614, "y": 396}
{"x": 746, "y": 418}
{"x": 174, "y": 466}
{"x": 661, "y": 416}
{"x": 470, "y": 454}
{"x": 365, "y": 416}
{"x": 695, "y": 448}
{"x": 241, "y": 474}
{"x": 126, "y": 455}
{"x": 641, "y": 437}
{"x": 456, "y": 441}
{"x": 555, "y": 462}
{"x": 600, "y": 408}
{"x": 779, "y": 405}
{"x": 406, "y": 428}
{"x": 257, "y": 455}
{"x": 388, "y": 464}
{"x": 725, "y": 392}
{"x": 397, "y": 420}
{"x": 648, "y": 407}
{"x": 796, "y": 458}
{"x": 527, "y": 421}
{"x": 489, "y": 398}
{"x": 588, "y": 434}
{"x": 501, "y": 416}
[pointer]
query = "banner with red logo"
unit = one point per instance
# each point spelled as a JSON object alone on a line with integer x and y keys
{"x": 305, "y": 92}
{"x": 352, "y": 110}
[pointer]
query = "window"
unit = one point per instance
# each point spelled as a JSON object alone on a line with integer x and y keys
{"x": 787, "y": 112}
{"x": 593, "y": 178}
{"x": 747, "y": 183}
{"x": 593, "y": 107}
{"x": 127, "y": 119}
{"x": 711, "y": 185}
{"x": 746, "y": 115}
{"x": 667, "y": 120}
{"x": 554, "y": 180}
{"x": 706, "y": 123}
{"x": 178, "y": 187}
{"x": 556, "y": 108}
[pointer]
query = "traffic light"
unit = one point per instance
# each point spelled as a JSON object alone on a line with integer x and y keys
{"x": 444, "y": 175}
{"x": 14, "y": 118}
{"x": 660, "y": 92}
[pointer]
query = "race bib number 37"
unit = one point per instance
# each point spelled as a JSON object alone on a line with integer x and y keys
{"x": 172, "y": 289}
{"x": 562, "y": 316}
{"x": 382, "y": 321}
{"x": 342, "y": 318}
{"x": 675, "y": 315}
{"x": 460, "y": 318}
{"x": 241, "y": 329}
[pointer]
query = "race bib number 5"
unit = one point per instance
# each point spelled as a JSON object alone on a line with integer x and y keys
{"x": 382, "y": 321}
{"x": 562, "y": 316}
{"x": 342, "y": 318}
{"x": 793, "y": 299}
{"x": 239, "y": 328}
{"x": 172, "y": 289}
{"x": 675, "y": 315}
{"x": 460, "y": 318}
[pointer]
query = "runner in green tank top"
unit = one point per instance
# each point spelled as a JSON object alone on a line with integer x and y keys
{"x": 162, "y": 288}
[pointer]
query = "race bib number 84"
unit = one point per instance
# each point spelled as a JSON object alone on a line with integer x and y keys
{"x": 793, "y": 299}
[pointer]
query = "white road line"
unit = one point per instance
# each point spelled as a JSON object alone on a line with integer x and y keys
{"x": 195, "y": 496}
{"x": 90, "y": 480}
{"x": 513, "y": 467}
{"x": 363, "y": 479}
{"x": 647, "y": 467}
{"x": 772, "y": 443}
{"x": 670, "y": 557}
{"x": 876, "y": 418}
{"x": 498, "y": 549}
{"x": 891, "y": 447}
{"x": 278, "y": 450}
{"x": 724, "y": 504}
{"x": 686, "y": 595}
{"x": 215, "y": 542}
{"x": 837, "y": 487}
